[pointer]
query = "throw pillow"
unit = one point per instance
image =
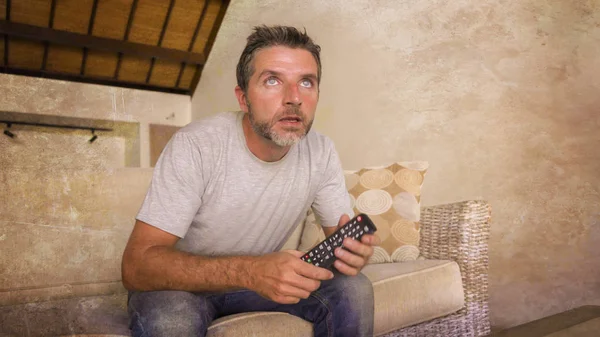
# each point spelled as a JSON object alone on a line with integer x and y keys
{"x": 391, "y": 196}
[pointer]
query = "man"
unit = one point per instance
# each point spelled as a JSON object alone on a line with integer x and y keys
{"x": 226, "y": 194}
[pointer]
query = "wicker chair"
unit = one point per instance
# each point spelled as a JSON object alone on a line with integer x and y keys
{"x": 458, "y": 232}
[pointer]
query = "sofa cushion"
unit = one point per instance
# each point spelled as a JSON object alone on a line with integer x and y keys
{"x": 260, "y": 324}
{"x": 391, "y": 197}
{"x": 413, "y": 292}
{"x": 405, "y": 294}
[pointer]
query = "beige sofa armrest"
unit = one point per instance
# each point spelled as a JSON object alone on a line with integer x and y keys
{"x": 460, "y": 232}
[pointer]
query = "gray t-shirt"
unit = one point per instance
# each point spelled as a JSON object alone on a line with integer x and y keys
{"x": 220, "y": 199}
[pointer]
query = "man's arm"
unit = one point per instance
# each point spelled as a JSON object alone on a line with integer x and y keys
{"x": 151, "y": 262}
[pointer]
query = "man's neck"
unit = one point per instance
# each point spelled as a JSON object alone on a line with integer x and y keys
{"x": 262, "y": 148}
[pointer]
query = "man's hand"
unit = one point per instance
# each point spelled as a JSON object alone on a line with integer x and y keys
{"x": 284, "y": 278}
{"x": 355, "y": 254}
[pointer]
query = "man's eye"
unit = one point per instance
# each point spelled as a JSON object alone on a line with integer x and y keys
{"x": 306, "y": 83}
{"x": 271, "y": 81}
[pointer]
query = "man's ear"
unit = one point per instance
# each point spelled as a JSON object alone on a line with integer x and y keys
{"x": 241, "y": 98}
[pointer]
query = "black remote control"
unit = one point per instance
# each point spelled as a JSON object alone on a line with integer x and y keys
{"x": 322, "y": 254}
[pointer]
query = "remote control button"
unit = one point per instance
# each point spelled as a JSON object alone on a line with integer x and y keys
{"x": 366, "y": 229}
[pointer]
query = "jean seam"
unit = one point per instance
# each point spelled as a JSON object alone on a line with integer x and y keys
{"x": 138, "y": 323}
{"x": 328, "y": 319}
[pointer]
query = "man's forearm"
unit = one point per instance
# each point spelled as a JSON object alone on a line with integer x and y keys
{"x": 165, "y": 268}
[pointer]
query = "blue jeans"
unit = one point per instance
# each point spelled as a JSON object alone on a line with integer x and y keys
{"x": 342, "y": 306}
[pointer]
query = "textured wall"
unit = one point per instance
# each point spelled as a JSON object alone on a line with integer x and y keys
{"x": 67, "y": 206}
{"x": 501, "y": 97}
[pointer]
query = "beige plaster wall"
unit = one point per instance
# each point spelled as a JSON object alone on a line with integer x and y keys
{"x": 67, "y": 206}
{"x": 501, "y": 97}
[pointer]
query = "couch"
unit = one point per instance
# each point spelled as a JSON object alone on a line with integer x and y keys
{"x": 442, "y": 293}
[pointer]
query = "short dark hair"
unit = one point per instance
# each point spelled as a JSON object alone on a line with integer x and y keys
{"x": 264, "y": 37}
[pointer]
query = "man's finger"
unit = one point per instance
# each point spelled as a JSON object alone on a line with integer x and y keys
{"x": 344, "y": 268}
{"x": 352, "y": 260}
{"x": 357, "y": 247}
{"x": 343, "y": 220}
{"x": 371, "y": 240}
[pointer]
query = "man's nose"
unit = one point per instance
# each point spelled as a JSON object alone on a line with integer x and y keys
{"x": 292, "y": 95}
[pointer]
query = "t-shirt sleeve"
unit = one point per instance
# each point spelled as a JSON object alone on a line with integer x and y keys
{"x": 332, "y": 198}
{"x": 175, "y": 192}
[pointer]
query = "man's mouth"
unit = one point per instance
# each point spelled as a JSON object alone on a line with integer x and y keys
{"x": 291, "y": 119}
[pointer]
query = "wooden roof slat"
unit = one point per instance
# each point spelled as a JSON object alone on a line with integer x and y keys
{"x": 89, "y": 32}
{"x": 101, "y": 63}
{"x": 111, "y": 18}
{"x": 148, "y": 21}
{"x": 134, "y": 69}
{"x": 191, "y": 42}
{"x": 182, "y": 27}
{"x": 209, "y": 42}
{"x": 64, "y": 59}
{"x": 32, "y": 12}
{"x": 25, "y": 54}
{"x": 212, "y": 12}
{"x": 187, "y": 76}
{"x": 3, "y": 41}
{"x": 73, "y": 15}
{"x": 102, "y": 81}
{"x": 93, "y": 42}
{"x": 161, "y": 37}
{"x": 50, "y": 25}
{"x": 3, "y": 9}
{"x": 165, "y": 73}
{"x": 130, "y": 18}
{"x": 114, "y": 42}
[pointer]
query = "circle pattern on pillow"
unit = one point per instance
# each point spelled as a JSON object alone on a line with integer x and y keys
{"x": 379, "y": 256}
{"x": 405, "y": 253}
{"x": 397, "y": 223}
{"x": 377, "y": 179}
{"x": 405, "y": 231}
{"x": 374, "y": 202}
{"x": 409, "y": 180}
{"x": 392, "y": 204}
{"x": 407, "y": 206}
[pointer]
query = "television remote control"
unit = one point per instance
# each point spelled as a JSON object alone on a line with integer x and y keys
{"x": 322, "y": 254}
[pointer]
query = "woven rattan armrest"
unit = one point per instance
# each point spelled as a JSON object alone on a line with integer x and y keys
{"x": 460, "y": 232}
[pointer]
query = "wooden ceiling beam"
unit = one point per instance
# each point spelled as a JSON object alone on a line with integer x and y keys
{"x": 7, "y": 17}
{"x": 193, "y": 40}
{"x": 126, "y": 36}
{"x": 161, "y": 37}
{"x": 90, "y": 30}
{"x": 50, "y": 25}
{"x": 93, "y": 80}
{"x": 98, "y": 43}
{"x": 209, "y": 43}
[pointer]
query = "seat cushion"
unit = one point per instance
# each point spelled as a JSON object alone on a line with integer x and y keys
{"x": 412, "y": 292}
{"x": 406, "y": 293}
{"x": 260, "y": 324}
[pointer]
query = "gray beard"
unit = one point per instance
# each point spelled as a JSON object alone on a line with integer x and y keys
{"x": 265, "y": 129}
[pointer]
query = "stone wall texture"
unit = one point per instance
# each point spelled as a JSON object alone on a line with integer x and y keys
{"x": 501, "y": 97}
{"x": 67, "y": 206}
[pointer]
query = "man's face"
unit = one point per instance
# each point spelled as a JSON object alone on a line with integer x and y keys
{"x": 282, "y": 94}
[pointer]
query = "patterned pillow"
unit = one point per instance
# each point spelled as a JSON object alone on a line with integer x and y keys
{"x": 391, "y": 197}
